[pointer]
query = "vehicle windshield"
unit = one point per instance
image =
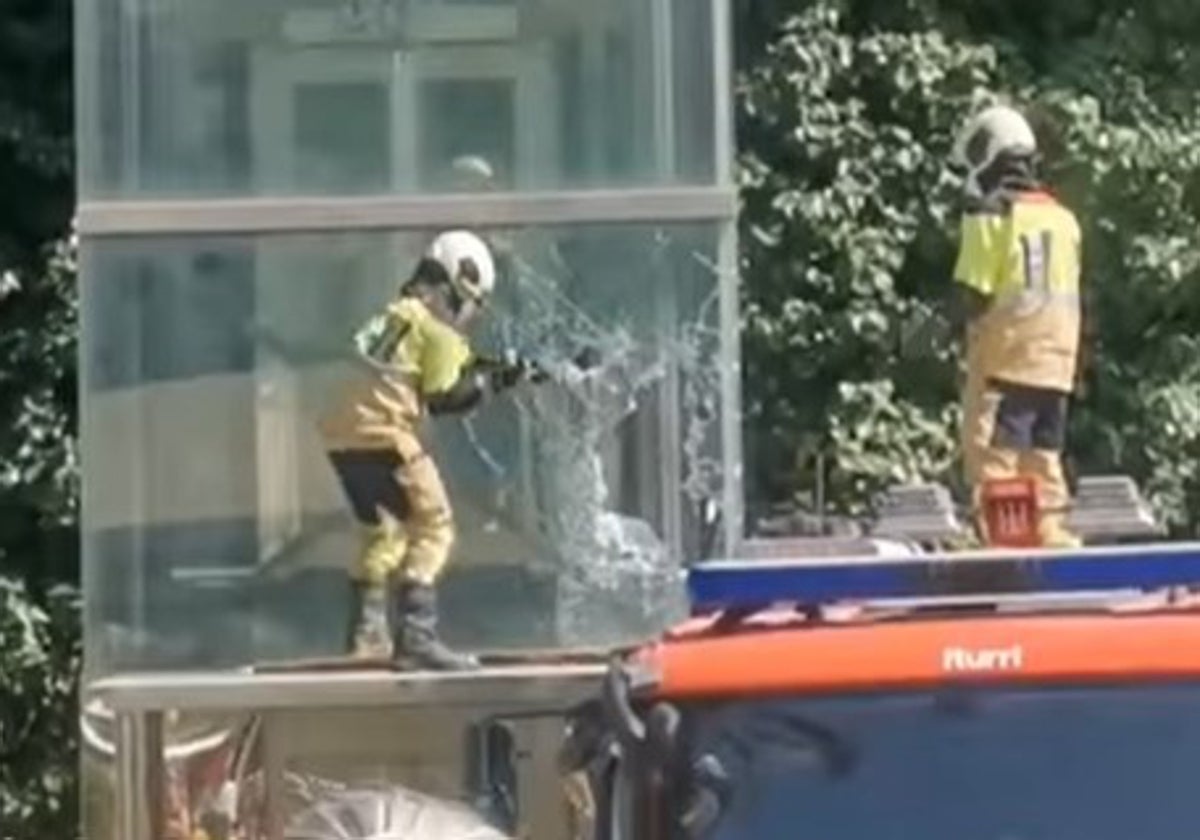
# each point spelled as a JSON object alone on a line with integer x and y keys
{"x": 1033, "y": 764}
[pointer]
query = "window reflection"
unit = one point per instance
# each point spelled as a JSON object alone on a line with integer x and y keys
{"x": 372, "y": 96}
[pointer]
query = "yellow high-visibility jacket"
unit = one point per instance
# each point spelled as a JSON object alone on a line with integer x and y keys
{"x": 1022, "y": 252}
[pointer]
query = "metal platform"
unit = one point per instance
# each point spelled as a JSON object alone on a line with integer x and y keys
{"x": 740, "y": 584}
{"x": 515, "y": 686}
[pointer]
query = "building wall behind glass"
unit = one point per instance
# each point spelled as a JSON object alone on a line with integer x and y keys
{"x": 336, "y": 97}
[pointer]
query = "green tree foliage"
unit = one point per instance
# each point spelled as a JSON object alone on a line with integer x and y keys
{"x": 39, "y": 657}
{"x": 37, "y": 346}
{"x": 1132, "y": 176}
{"x": 847, "y": 223}
{"x": 39, "y": 626}
{"x": 38, "y": 476}
{"x": 40, "y": 644}
{"x": 849, "y": 231}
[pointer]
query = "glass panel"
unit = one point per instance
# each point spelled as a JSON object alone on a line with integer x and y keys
{"x": 464, "y": 118}
{"x": 1069, "y": 764}
{"x": 342, "y": 137}
{"x": 216, "y": 532}
{"x": 278, "y": 97}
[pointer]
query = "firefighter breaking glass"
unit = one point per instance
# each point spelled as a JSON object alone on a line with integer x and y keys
{"x": 1017, "y": 284}
{"x": 416, "y": 361}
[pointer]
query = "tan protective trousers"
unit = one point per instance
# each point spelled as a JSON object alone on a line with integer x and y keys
{"x": 983, "y": 461}
{"x": 404, "y": 514}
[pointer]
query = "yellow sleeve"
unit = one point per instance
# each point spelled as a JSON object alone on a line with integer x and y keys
{"x": 980, "y": 254}
{"x": 444, "y": 355}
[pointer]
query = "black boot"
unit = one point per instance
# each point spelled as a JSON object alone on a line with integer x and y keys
{"x": 369, "y": 636}
{"x": 416, "y": 645}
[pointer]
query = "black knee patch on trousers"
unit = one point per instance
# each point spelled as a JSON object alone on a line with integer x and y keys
{"x": 1029, "y": 418}
{"x": 369, "y": 480}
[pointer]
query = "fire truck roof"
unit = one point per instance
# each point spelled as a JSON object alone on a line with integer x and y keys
{"x": 1114, "y": 614}
{"x": 741, "y": 584}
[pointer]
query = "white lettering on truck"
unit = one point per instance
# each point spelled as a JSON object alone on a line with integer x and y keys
{"x": 977, "y": 660}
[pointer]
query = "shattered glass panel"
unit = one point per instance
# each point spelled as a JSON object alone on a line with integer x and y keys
{"x": 634, "y": 380}
{"x": 577, "y": 499}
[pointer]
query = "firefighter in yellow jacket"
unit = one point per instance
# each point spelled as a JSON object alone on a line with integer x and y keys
{"x": 1019, "y": 295}
{"x": 415, "y": 361}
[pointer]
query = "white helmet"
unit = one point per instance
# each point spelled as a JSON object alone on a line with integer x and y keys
{"x": 468, "y": 263}
{"x": 473, "y": 171}
{"x": 987, "y": 135}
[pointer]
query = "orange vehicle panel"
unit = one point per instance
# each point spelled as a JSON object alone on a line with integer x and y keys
{"x": 928, "y": 652}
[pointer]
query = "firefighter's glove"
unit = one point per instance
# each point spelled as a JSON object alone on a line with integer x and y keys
{"x": 506, "y": 377}
{"x": 514, "y": 371}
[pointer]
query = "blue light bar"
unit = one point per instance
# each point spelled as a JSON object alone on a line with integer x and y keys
{"x": 732, "y": 584}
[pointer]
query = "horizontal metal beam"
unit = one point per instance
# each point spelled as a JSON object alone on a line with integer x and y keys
{"x": 750, "y": 584}
{"x": 517, "y": 687}
{"x": 202, "y": 217}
